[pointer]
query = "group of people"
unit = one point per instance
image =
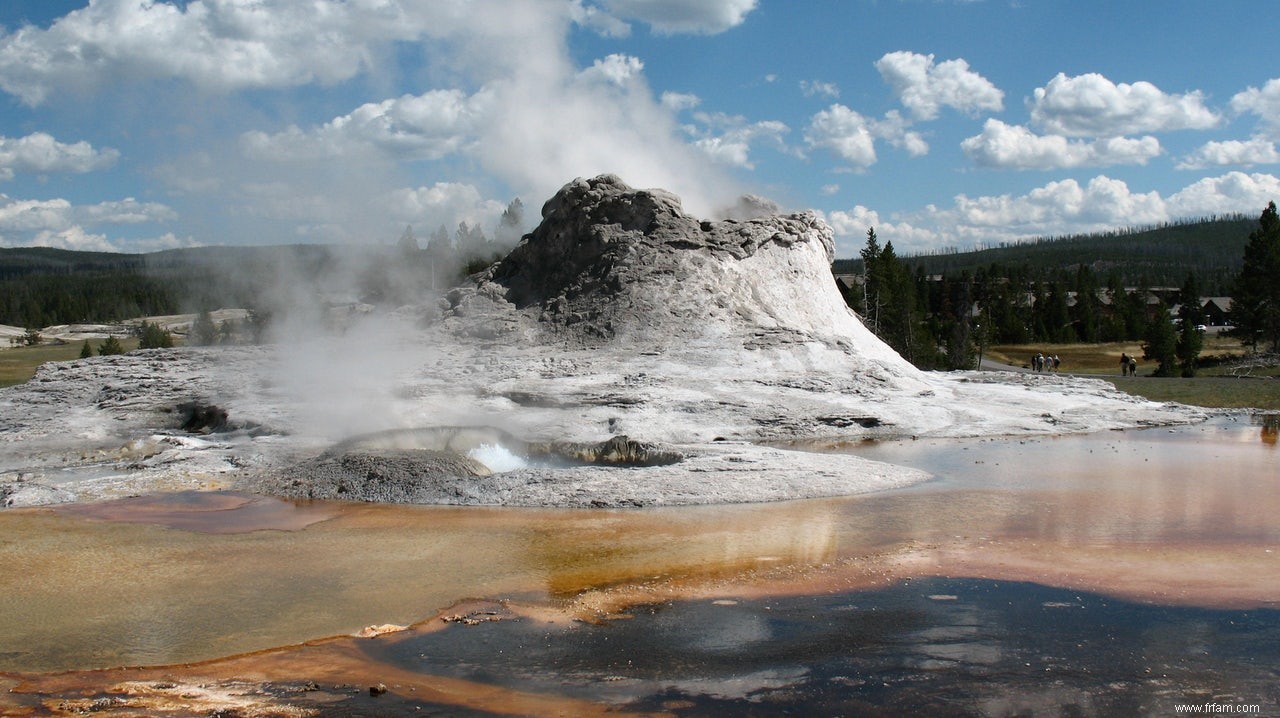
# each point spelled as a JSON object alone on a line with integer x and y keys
{"x": 1128, "y": 365}
{"x": 1040, "y": 362}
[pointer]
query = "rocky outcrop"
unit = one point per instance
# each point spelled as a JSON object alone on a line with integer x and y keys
{"x": 609, "y": 261}
{"x": 615, "y": 451}
{"x": 419, "y": 476}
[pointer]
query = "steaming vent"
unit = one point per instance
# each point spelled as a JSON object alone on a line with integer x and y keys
{"x": 449, "y": 465}
{"x": 498, "y": 458}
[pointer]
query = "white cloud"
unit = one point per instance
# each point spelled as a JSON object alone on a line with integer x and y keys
{"x": 56, "y": 215}
{"x": 671, "y": 17}
{"x": 427, "y": 126}
{"x": 680, "y": 101}
{"x": 850, "y": 227}
{"x": 1090, "y": 105}
{"x": 215, "y": 44}
{"x": 73, "y": 238}
{"x": 811, "y": 88}
{"x": 895, "y": 129}
{"x": 1257, "y": 151}
{"x": 125, "y": 211}
{"x": 1054, "y": 209}
{"x": 228, "y": 45}
{"x": 598, "y": 20}
{"x": 844, "y": 133}
{"x": 1265, "y": 103}
{"x": 851, "y": 137}
{"x": 615, "y": 69}
{"x": 21, "y": 215}
{"x": 40, "y": 153}
{"x": 727, "y": 139}
{"x": 925, "y": 88}
{"x": 1231, "y": 192}
{"x": 1016, "y": 147}
{"x": 444, "y": 203}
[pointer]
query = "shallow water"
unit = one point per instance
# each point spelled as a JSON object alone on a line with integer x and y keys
{"x": 929, "y": 647}
{"x": 1168, "y": 517}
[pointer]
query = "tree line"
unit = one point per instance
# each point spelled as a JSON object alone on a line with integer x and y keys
{"x": 939, "y": 321}
{"x": 41, "y": 287}
{"x": 1210, "y": 247}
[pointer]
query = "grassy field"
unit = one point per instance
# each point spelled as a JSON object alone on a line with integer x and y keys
{"x": 1100, "y": 358}
{"x": 1212, "y": 387}
{"x": 18, "y": 364}
{"x": 1221, "y": 392}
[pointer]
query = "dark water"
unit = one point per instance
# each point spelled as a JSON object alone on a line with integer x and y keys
{"x": 933, "y": 647}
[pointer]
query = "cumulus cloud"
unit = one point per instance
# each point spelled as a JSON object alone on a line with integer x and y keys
{"x": 844, "y": 133}
{"x": 850, "y": 228}
{"x": 924, "y": 87}
{"x": 73, "y": 238}
{"x": 1056, "y": 208}
{"x": 214, "y": 44}
{"x": 1090, "y": 105}
{"x": 1231, "y": 192}
{"x": 616, "y": 69}
{"x": 61, "y": 224}
{"x": 1264, "y": 102}
{"x": 1015, "y": 147}
{"x": 427, "y": 126}
{"x": 1257, "y": 151}
{"x": 23, "y": 215}
{"x": 28, "y": 215}
{"x": 671, "y": 17}
{"x": 444, "y": 203}
{"x": 39, "y": 153}
{"x": 851, "y": 137}
{"x": 727, "y": 139}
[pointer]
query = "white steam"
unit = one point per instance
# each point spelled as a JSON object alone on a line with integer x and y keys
{"x": 497, "y": 458}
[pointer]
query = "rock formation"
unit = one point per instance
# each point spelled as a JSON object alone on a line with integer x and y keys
{"x": 609, "y": 262}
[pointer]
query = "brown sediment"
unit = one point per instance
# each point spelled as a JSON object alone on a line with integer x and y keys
{"x": 214, "y": 512}
{"x": 295, "y": 681}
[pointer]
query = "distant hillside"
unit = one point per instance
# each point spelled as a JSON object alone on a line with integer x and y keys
{"x": 1155, "y": 256}
{"x": 40, "y": 287}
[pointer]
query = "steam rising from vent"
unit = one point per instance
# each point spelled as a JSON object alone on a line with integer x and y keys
{"x": 497, "y": 458}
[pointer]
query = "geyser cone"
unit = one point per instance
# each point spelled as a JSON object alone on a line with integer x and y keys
{"x": 610, "y": 261}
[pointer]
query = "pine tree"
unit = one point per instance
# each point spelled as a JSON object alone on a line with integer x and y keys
{"x": 203, "y": 331}
{"x": 153, "y": 336}
{"x": 1191, "y": 316}
{"x": 1161, "y": 344}
{"x": 110, "y": 346}
{"x": 871, "y": 281}
{"x": 407, "y": 244}
{"x": 1255, "y": 301}
{"x": 86, "y": 351}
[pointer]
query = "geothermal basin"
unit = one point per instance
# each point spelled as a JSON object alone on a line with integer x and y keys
{"x": 1087, "y": 574}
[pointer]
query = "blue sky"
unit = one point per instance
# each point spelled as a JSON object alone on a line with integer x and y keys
{"x": 137, "y": 125}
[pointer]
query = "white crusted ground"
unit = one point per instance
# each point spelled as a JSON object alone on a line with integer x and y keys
{"x": 619, "y": 314}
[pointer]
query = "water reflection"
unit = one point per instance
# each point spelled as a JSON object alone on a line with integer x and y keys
{"x": 1270, "y": 424}
{"x": 1181, "y": 516}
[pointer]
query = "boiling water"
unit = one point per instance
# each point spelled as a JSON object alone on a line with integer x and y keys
{"x": 498, "y": 458}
